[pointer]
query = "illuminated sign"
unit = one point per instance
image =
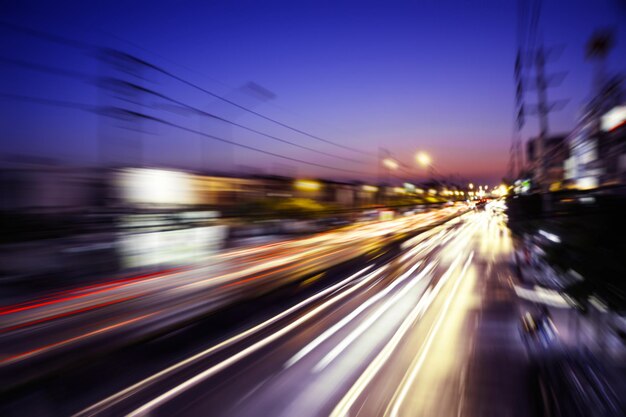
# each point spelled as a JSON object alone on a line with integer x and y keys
{"x": 155, "y": 187}
{"x": 370, "y": 188}
{"x": 307, "y": 185}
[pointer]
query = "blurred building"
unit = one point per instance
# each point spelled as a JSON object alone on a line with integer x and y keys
{"x": 31, "y": 189}
{"x": 555, "y": 154}
{"x": 597, "y": 145}
{"x": 45, "y": 187}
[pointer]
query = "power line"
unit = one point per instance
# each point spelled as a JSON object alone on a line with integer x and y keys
{"x": 34, "y": 66}
{"x": 204, "y": 75}
{"x": 85, "y": 77}
{"x": 50, "y": 102}
{"x": 86, "y": 46}
{"x": 232, "y": 103}
{"x": 222, "y": 119}
{"x": 241, "y": 145}
{"x": 128, "y": 113}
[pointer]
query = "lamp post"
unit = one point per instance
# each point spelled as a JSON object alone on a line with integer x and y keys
{"x": 423, "y": 159}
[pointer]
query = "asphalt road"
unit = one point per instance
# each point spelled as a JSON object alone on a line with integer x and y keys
{"x": 428, "y": 328}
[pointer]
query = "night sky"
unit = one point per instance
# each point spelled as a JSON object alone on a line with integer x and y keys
{"x": 435, "y": 76}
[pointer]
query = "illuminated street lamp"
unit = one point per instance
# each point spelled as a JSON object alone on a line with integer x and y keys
{"x": 390, "y": 163}
{"x": 423, "y": 159}
{"x": 471, "y": 186}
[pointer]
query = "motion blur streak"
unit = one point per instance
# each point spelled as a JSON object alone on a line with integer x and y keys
{"x": 100, "y": 406}
{"x": 178, "y": 240}
{"x": 68, "y": 313}
{"x": 62, "y": 296}
{"x": 344, "y": 406}
{"x": 335, "y": 328}
{"x": 340, "y": 347}
{"x": 419, "y": 360}
{"x": 175, "y": 296}
{"x": 73, "y": 339}
{"x": 249, "y": 350}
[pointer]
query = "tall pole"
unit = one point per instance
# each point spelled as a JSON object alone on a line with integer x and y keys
{"x": 542, "y": 110}
{"x": 381, "y": 158}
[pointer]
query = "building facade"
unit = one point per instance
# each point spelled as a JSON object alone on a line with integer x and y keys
{"x": 597, "y": 150}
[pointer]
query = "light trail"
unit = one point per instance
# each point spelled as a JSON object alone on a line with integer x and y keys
{"x": 116, "y": 398}
{"x": 55, "y": 345}
{"x": 180, "y": 280}
{"x": 416, "y": 366}
{"x": 347, "y": 341}
{"x": 179, "y": 389}
{"x": 343, "y": 407}
{"x": 347, "y": 319}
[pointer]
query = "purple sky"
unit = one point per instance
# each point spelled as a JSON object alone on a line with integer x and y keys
{"x": 407, "y": 76}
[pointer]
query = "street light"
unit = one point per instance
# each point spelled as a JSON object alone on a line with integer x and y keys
{"x": 390, "y": 163}
{"x": 471, "y": 186}
{"x": 423, "y": 159}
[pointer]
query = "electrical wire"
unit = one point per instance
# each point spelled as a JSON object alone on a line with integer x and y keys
{"x": 128, "y": 113}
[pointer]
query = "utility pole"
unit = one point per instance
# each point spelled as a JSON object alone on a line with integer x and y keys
{"x": 542, "y": 113}
{"x": 536, "y": 58}
{"x": 381, "y": 158}
{"x": 515, "y": 162}
{"x": 542, "y": 109}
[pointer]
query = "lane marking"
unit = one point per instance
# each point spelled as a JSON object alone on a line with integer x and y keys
{"x": 416, "y": 366}
{"x": 121, "y": 395}
{"x": 179, "y": 389}
{"x": 343, "y": 407}
{"x": 347, "y": 319}
{"x": 346, "y": 342}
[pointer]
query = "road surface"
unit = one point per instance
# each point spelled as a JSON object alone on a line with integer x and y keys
{"x": 428, "y": 329}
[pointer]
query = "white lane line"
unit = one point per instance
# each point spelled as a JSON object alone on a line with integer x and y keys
{"x": 366, "y": 324}
{"x": 179, "y": 389}
{"x": 409, "y": 378}
{"x": 121, "y": 395}
{"x": 345, "y": 343}
{"x": 343, "y": 407}
{"x": 347, "y": 319}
